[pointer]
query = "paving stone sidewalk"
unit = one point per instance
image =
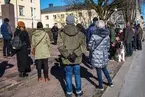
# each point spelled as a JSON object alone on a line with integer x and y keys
{"x": 13, "y": 86}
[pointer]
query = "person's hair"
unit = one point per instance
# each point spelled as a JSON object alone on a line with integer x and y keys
{"x": 95, "y": 19}
{"x": 6, "y": 20}
{"x": 39, "y": 25}
{"x": 100, "y": 24}
{"x": 80, "y": 27}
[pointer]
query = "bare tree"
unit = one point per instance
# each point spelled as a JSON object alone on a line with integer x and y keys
{"x": 105, "y": 8}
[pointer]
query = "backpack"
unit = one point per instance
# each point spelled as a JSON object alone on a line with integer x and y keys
{"x": 16, "y": 42}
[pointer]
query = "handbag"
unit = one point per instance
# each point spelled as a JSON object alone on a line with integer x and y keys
{"x": 33, "y": 50}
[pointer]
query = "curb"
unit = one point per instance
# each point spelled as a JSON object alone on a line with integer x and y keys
{"x": 119, "y": 79}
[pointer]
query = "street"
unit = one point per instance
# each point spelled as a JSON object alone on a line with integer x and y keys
{"x": 134, "y": 85}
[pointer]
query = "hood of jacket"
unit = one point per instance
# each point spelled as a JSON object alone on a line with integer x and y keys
{"x": 102, "y": 32}
{"x": 38, "y": 33}
{"x": 70, "y": 30}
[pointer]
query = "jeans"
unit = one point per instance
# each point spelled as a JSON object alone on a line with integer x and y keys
{"x": 69, "y": 71}
{"x": 129, "y": 49}
{"x": 106, "y": 73}
{"x": 7, "y": 47}
{"x": 42, "y": 64}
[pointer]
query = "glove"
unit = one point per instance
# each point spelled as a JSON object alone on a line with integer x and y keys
{"x": 72, "y": 57}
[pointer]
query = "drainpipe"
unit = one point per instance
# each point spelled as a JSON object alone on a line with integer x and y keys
{"x": 16, "y": 11}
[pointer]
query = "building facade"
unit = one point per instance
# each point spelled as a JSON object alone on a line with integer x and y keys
{"x": 58, "y": 14}
{"x": 27, "y": 11}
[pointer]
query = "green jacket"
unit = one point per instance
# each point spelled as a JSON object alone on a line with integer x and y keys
{"x": 140, "y": 33}
{"x": 71, "y": 40}
{"x": 112, "y": 34}
{"x": 42, "y": 50}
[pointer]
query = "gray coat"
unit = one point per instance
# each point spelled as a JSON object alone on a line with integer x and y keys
{"x": 99, "y": 45}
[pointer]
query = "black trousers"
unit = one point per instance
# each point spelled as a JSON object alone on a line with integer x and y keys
{"x": 55, "y": 37}
{"x": 42, "y": 64}
{"x": 7, "y": 47}
{"x": 139, "y": 45}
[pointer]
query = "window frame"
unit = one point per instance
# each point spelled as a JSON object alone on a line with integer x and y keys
{"x": 21, "y": 10}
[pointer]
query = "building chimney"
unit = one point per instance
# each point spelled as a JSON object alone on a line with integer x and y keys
{"x": 50, "y": 5}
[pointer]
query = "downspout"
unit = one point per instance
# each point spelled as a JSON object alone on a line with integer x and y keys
{"x": 16, "y": 11}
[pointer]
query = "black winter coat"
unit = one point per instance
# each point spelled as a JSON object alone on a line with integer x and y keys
{"x": 23, "y": 62}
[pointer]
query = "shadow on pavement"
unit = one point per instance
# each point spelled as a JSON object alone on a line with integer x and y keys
{"x": 3, "y": 66}
{"x": 58, "y": 73}
{"x": 87, "y": 75}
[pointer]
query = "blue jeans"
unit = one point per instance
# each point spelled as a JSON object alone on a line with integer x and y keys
{"x": 106, "y": 73}
{"x": 129, "y": 49}
{"x": 69, "y": 71}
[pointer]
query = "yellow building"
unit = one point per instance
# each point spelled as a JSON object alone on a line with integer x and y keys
{"x": 27, "y": 11}
{"x": 58, "y": 14}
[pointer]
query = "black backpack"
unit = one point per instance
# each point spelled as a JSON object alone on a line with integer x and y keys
{"x": 16, "y": 42}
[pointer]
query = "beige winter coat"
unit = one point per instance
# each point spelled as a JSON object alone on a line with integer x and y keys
{"x": 42, "y": 51}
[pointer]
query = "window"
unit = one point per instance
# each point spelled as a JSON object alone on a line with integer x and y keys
{"x": 62, "y": 15}
{"x": 32, "y": 12}
{"x": 47, "y": 25}
{"x": 47, "y": 17}
{"x": 21, "y": 10}
{"x": 80, "y": 14}
{"x": 54, "y": 16}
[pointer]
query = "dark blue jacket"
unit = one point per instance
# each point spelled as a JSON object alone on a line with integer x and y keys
{"x": 5, "y": 32}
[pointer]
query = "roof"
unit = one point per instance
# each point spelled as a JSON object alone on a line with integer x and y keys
{"x": 55, "y": 9}
{"x": 62, "y": 8}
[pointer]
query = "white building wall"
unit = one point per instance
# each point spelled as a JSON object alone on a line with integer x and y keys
{"x": 27, "y": 18}
{"x": 84, "y": 19}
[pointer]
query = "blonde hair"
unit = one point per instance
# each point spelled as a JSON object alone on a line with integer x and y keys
{"x": 100, "y": 24}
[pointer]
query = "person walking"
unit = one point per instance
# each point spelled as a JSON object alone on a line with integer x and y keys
{"x": 7, "y": 36}
{"x": 22, "y": 53}
{"x": 139, "y": 37}
{"x": 41, "y": 51}
{"x": 99, "y": 45}
{"x": 71, "y": 40}
{"x": 128, "y": 39}
{"x": 54, "y": 31}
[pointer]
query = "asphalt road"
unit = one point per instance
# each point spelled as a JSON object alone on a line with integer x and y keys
{"x": 134, "y": 85}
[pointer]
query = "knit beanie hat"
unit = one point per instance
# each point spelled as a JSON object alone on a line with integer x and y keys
{"x": 21, "y": 24}
{"x": 70, "y": 19}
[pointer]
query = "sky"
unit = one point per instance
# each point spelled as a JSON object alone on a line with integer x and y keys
{"x": 45, "y": 4}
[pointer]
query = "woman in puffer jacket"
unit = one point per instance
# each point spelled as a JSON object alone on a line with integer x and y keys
{"x": 99, "y": 45}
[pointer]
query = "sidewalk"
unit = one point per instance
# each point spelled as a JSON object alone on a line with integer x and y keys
{"x": 13, "y": 86}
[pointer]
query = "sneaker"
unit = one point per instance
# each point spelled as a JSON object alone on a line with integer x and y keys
{"x": 68, "y": 95}
{"x": 47, "y": 79}
{"x": 110, "y": 85}
{"x": 101, "y": 89}
{"x": 80, "y": 94}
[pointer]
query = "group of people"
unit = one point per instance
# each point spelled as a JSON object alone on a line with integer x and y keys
{"x": 131, "y": 36}
{"x": 73, "y": 42}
